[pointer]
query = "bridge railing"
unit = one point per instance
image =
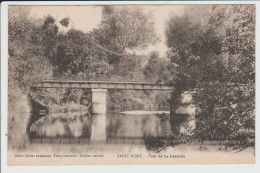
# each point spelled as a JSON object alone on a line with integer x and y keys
{"x": 103, "y": 85}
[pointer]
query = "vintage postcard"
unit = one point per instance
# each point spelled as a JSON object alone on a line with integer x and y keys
{"x": 128, "y": 84}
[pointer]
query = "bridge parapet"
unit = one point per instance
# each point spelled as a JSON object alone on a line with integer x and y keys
{"x": 103, "y": 85}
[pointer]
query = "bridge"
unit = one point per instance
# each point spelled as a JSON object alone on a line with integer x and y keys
{"x": 103, "y": 85}
{"x": 99, "y": 90}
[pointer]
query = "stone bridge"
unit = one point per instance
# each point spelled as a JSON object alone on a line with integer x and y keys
{"x": 99, "y": 90}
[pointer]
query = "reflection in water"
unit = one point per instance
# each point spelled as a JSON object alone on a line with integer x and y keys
{"x": 132, "y": 124}
{"x": 141, "y": 112}
{"x": 73, "y": 124}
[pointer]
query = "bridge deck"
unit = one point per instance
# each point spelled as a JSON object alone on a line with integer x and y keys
{"x": 103, "y": 85}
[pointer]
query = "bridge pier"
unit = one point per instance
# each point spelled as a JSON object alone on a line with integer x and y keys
{"x": 183, "y": 113}
{"x": 98, "y": 124}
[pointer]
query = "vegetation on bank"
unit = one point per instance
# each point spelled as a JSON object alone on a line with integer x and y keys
{"x": 214, "y": 52}
{"x": 26, "y": 66}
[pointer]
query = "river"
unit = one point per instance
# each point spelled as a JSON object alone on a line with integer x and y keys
{"x": 128, "y": 126}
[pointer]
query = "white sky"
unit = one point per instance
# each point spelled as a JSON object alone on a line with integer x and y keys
{"x": 86, "y": 18}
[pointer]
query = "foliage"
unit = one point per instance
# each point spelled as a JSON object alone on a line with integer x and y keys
{"x": 64, "y": 100}
{"x": 129, "y": 100}
{"x": 123, "y": 29}
{"x": 217, "y": 56}
{"x": 26, "y": 66}
{"x": 159, "y": 144}
{"x": 130, "y": 68}
{"x": 193, "y": 54}
{"x": 155, "y": 144}
{"x": 156, "y": 69}
{"x": 76, "y": 56}
{"x": 27, "y": 63}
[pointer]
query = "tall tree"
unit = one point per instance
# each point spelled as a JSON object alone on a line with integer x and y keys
{"x": 77, "y": 57}
{"x": 217, "y": 57}
{"x": 27, "y": 65}
{"x": 27, "y": 61}
{"x": 123, "y": 29}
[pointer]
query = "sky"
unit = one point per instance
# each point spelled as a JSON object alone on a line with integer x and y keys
{"x": 86, "y": 18}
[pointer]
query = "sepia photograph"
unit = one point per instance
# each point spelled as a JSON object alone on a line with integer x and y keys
{"x": 126, "y": 84}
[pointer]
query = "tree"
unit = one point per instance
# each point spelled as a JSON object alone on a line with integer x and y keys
{"x": 97, "y": 54}
{"x": 71, "y": 54}
{"x": 156, "y": 69}
{"x": 129, "y": 68}
{"x": 123, "y": 29}
{"x": 49, "y": 34}
{"x": 217, "y": 57}
{"x": 27, "y": 65}
{"x": 27, "y": 61}
{"x": 77, "y": 57}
